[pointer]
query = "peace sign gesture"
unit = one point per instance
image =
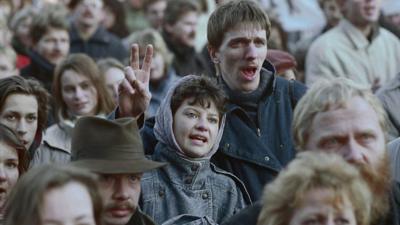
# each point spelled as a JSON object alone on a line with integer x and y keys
{"x": 134, "y": 95}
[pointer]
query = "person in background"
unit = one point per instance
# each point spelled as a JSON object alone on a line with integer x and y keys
{"x": 21, "y": 41}
{"x": 24, "y": 105}
{"x": 50, "y": 45}
{"x": 113, "y": 75}
{"x": 154, "y": 12}
{"x": 90, "y": 37}
{"x": 14, "y": 161}
{"x": 373, "y": 51}
{"x": 78, "y": 90}
{"x": 162, "y": 74}
{"x": 179, "y": 33}
{"x": 8, "y": 61}
{"x": 114, "y": 18}
{"x": 55, "y": 195}
{"x": 317, "y": 188}
{"x": 284, "y": 63}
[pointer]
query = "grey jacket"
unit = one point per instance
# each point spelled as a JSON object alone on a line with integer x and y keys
{"x": 55, "y": 147}
{"x": 187, "y": 185}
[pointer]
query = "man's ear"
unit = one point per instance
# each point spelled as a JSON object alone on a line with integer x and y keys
{"x": 214, "y": 54}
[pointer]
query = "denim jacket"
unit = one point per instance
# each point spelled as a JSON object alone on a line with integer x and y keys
{"x": 186, "y": 186}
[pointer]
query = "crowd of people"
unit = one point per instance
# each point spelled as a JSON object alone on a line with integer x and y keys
{"x": 200, "y": 112}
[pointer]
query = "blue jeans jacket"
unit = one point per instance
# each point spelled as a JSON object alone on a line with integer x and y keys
{"x": 193, "y": 187}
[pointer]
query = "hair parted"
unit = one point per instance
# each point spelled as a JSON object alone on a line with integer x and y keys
{"x": 9, "y": 137}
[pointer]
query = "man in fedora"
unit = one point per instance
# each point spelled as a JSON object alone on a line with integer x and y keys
{"x": 114, "y": 150}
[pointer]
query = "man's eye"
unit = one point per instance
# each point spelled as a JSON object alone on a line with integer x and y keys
{"x": 134, "y": 178}
{"x": 330, "y": 143}
{"x": 11, "y": 117}
{"x": 31, "y": 118}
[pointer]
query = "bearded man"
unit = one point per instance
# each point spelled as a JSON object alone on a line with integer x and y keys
{"x": 340, "y": 116}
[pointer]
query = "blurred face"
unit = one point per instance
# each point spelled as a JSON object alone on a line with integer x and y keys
{"x": 361, "y": 12}
{"x": 108, "y": 17}
{"x": 184, "y": 30}
{"x": 120, "y": 194}
{"x": 22, "y": 31}
{"x": 332, "y": 12}
{"x": 78, "y": 94}
{"x": 54, "y": 45}
{"x": 240, "y": 57}
{"x": 89, "y": 13}
{"x": 7, "y": 67}
{"x": 319, "y": 207}
{"x": 157, "y": 70}
{"x": 196, "y": 128}
{"x": 114, "y": 77}
{"x": 8, "y": 171}
{"x": 20, "y": 113}
{"x": 76, "y": 207}
{"x": 155, "y": 13}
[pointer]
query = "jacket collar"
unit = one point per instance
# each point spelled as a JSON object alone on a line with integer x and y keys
{"x": 356, "y": 37}
{"x": 191, "y": 172}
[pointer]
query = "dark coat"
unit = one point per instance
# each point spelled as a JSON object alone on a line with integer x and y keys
{"x": 102, "y": 44}
{"x": 255, "y": 153}
{"x": 186, "y": 60}
{"x": 40, "y": 69}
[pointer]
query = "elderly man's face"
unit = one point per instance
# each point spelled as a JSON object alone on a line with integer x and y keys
{"x": 120, "y": 193}
{"x": 353, "y": 131}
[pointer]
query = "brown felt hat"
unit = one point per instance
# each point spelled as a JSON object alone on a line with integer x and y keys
{"x": 109, "y": 146}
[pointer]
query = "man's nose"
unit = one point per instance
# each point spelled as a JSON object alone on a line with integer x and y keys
{"x": 251, "y": 51}
{"x": 354, "y": 152}
{"x": 121, "y": 189}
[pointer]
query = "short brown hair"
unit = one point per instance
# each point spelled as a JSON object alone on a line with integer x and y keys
{"x": 51, "y": 18}
{"x": 9, "y": 137}
{"x": 232, "y": 13}
{"x": 310, "y": 171}
{"x": 85, "y": 66}
{"x": 27, "y": 196}
{"x": 177, "y": 8}
{"x": 19, "y": 85}
{"x": 202, "y": 89}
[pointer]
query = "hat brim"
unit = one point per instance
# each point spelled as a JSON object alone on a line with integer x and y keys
{"x": 117, "y": 167}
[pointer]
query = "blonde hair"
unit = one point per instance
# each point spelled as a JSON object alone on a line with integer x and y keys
{"x": 325, "y": 95}
{"x": 308, "y": 172}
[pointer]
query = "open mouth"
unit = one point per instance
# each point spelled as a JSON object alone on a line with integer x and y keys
{"x": 249, "y": 72}
{"x": 198, "y": 138}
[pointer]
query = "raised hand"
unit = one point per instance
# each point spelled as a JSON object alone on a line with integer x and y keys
{"x": 134, "y": 95}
